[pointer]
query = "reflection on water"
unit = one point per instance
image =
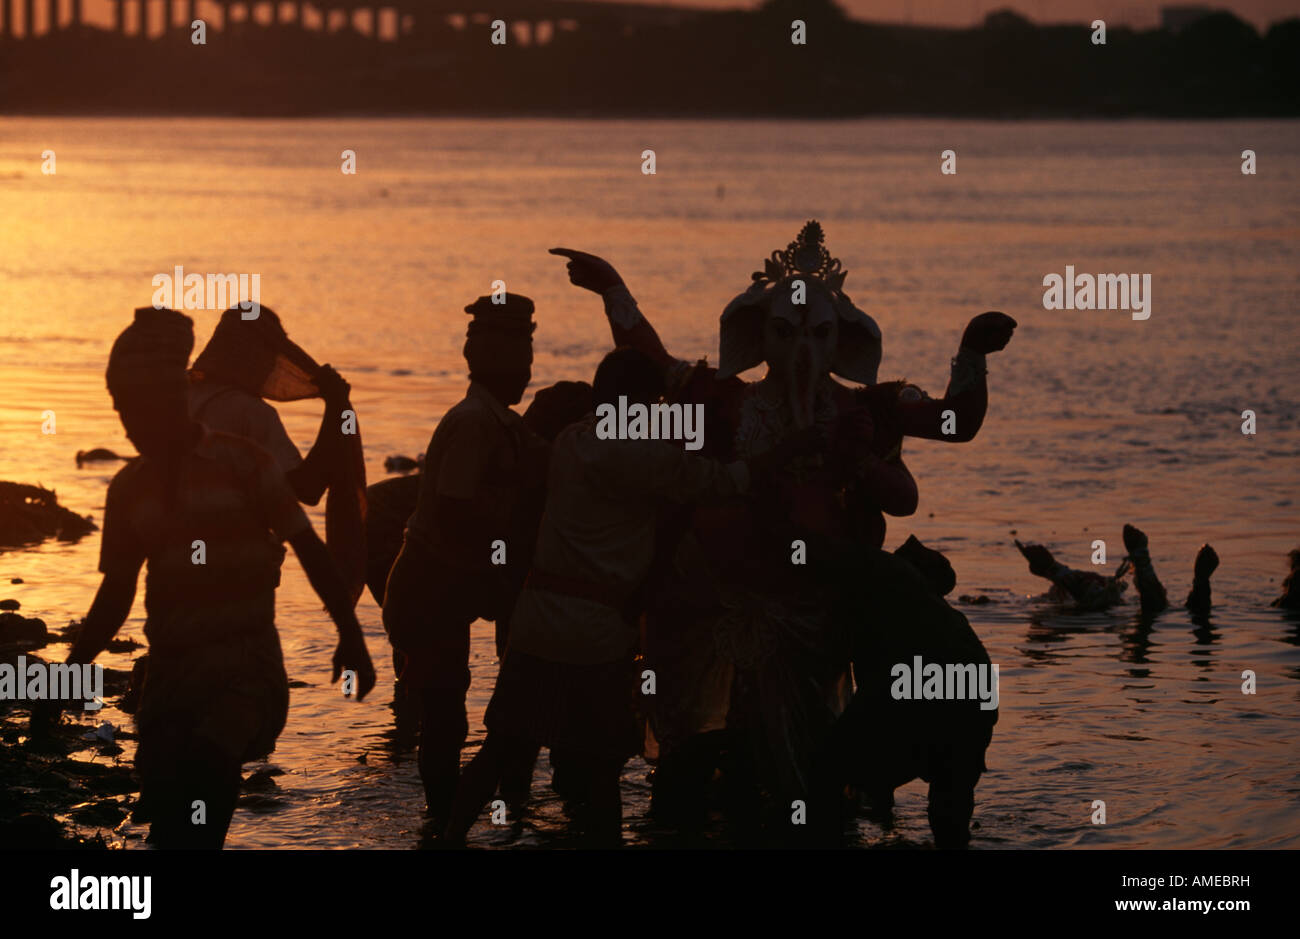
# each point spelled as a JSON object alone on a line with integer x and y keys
{"x": 1095, "y": 420}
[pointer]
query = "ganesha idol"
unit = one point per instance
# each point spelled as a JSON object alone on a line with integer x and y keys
{"x": 744, "y": 627}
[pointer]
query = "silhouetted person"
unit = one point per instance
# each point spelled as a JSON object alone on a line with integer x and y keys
{"x": 392, "y": 502}
{"x": 568, "y": 681}
{"x": 207, "y": 511}
{"x": 224, "y": 394}
{"x": 480, "y": 462}
{"x": 895, "y": 614}
{"x": 1290, "y": 598}
{"x": 249, "y": 362}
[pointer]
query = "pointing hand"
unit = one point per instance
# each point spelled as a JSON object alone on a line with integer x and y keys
{"x": 588, "y": 271}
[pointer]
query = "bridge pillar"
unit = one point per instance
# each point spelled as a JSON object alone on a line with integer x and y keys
{"x": 191, "y": 13}
{"x": 6, "y": 19}
{"x": 51, "y": 16}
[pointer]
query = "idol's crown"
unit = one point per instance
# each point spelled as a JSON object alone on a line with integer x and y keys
{"x": 806, "y": 256}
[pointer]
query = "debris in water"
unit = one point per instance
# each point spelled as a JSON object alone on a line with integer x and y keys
{"x": 104, "y": 732}
{"x": 97, "y": 455}
{"x": 402, "y": 464}
{"x": 30, "y": 514}
{"x": 16, "y": 628}
{"x": 125, "y": 644}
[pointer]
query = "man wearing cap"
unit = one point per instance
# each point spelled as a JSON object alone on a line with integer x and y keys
{"x": 455, "y": 563}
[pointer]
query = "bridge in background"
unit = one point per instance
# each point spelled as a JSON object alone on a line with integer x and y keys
{"x": 538, "y": 20}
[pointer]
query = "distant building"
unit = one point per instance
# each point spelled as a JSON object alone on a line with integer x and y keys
{"x": 1176, "y": 19}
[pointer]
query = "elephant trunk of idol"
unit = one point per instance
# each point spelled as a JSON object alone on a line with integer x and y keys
{"x": 802, "y": 386}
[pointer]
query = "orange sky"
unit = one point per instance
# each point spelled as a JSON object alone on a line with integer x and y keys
{"x": 945, "y": 12}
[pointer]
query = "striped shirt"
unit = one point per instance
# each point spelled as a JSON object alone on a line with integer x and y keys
{"x": 212, "y": 545}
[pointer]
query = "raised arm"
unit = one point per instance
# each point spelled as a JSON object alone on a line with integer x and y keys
{"x": 311, "y": 477}
{"x": 959, "y": 414}
{"x": 626, "y": 322}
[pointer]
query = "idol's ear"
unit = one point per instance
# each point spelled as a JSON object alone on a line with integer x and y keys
{"x": 740, "y": 345}
{"x": 857, "y": 351}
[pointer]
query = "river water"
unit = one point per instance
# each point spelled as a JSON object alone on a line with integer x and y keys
{"x": 1096, "y": 419}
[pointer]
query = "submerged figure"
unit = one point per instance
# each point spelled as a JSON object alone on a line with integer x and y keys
{"x": 1152, "y": 592}
{"x": 207, "y": 511}
{"x": 742, "y": 628}
{"x": 1088, "y": 589}
{"x": 460, "y": 560}
{"x": 1093, "y": 591}
{"x": 1290, "y": 598}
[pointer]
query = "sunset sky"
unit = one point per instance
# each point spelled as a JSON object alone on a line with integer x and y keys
{"x": 1141, "y": 13}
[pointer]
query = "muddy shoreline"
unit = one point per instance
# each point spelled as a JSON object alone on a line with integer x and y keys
{"x": 67, "y": 786}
